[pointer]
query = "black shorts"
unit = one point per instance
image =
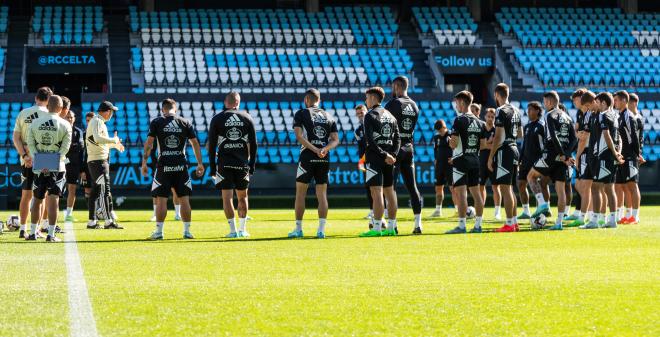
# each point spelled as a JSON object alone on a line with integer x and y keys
{"x": 232, "y": 178}
{"x": 584, "y": 169}
{"x": 443, "y": 173}
{"x": 86, "y": 181}
{"x": 484, "y": 174}
{"x": 379, "y": 174}
{"x": 551, "y": 168}
{"x": 310, "y": 166}
{"x": 464, "y": 173}
{"x": 165, "y": 181}
{"x": 72, "y": 173}
{"x": 628, "y": 172}
{"x": 51, "y": 183}
{"x": 27, "y": 178}
{"x": 604, "y": 171}
{"x": 524, "y": 168}
{"x": 505, "y": 165}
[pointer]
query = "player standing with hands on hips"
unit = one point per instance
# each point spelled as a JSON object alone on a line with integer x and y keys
{"x": 48, "y": 134}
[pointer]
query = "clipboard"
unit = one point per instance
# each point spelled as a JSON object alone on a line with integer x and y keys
{"x": 48, "y": 161}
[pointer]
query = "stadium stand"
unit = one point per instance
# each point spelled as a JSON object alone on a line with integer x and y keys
{"x": 4, "y": 19}
{"x": 67, "y": 24}
{"x": 449, "y": 25}
{"x": 570, "y": 47}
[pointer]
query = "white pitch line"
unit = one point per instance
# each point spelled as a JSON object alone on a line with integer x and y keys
{"x": 81, "y": 315}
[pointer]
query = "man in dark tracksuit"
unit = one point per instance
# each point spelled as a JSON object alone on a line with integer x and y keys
{"x": 360, "y": 111}
{"x": 406, "y": 112}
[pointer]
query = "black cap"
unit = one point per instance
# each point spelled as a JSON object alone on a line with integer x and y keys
{"x": 105, "y": 106}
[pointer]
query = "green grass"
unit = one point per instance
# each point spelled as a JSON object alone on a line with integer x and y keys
{"x": 570, "y": 283}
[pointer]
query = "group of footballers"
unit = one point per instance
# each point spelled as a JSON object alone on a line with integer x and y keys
{"x": 607, "y": 139}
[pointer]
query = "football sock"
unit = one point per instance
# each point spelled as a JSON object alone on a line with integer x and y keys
{"x": 51, "y": 231}
{"x": 477, "y": 222}
{"x": 418, "y": 221}
{"x": 514, "y": 220}
{"x": 69, "y": 210}
{"x": 438, "y": 208}
{"x": 22, "y": 227}
{"x": 186, "y": 227}
{"x": 497, "y": 210}
{"x": 635, "y": 213}
{"x": 243, "y": 223}
{"x": 154, "y": 209}
{"x": 526, "y": 209}
{"x": 539, "y": 199}
{"x": 159, "y": 227}
{"x": 33, "y": 228}
{"x": 628, "y": 212}
{"x": 509, "y": 221}
{"x": 232, "y": 225}
{"x": 560, "y": 218}
{"x": 391, "y": 224}
{"x": 177, "y": 210}
{"x": 611, "y": 218}
{"x": 590, "y": 215}
{"x": 322, "y": 222}
{"x": 461, "y": 223}
{"x": 299, "y": 225}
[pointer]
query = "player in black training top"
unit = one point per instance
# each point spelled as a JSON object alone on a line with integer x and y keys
{"x": 316, "y": 131}
{"x": 530, "y": 152}
{"x": 233, "y": 147}
{"x": 504, "y": 155}
{"x": 360, "y": 111}
{"x": 467, "y": 137}
{"x": 627, "y": 174}
{"x": 172, "y": 134}
{"x": 633, "y": 197}
{"x": 406, "y": 112}
{"x": 484, "y": 174}
{"x": 576, "y": 97}
{"x": 383, "y": 143}
{"x": 606, "y": 157}
{"x": 74, "y": 167}
{"x": 442, "y": 158}
{"x": 560, "y": 142}
{"x": 584, "y": 175}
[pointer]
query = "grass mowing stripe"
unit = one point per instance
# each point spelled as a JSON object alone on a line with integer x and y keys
{"x": 80, "y": 308}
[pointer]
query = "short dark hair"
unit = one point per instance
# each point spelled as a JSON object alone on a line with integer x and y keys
{"x": 439, "y": 124}
{"x": 578, "y": 93}
{"x": 89, "y": 114}
{"x": 313, "y": 94}
{"x": 491, "y": 110}
{"x": 377, "y": 92}
{"x": 536, "y": 105}
{"x": 634, "y": 97}
{"x": 502, "y": 89}
{"x": 622, "y": 94}
{"x": 587, "y": 97}
{"x": 233, "y": 97}
{"x": 552, "y": 94}
{"x": 43, "y": 94}
{"x": 605, "y": 97}
{"x": 360, "y": 106}
{"x": 401, "y": 81}
{"x": 167, "y": 104}
{"x": 562, "y": 107}
{"x": 464, "y": 96}
{"x": 66, "y": 102}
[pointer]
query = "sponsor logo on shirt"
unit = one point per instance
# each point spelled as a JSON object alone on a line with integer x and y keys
{"x": 234, "y": 146}
{"x": 177, "y": 168}
{"x": 233, "y": 120}
{"x": 30, "y": 118}
{"x": 408, "y": 110}
{"x": 171, "y": 153}
{"x": 173, "y": 126}
{"x": 48, "y": 126}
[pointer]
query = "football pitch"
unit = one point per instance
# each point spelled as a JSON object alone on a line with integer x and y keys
{"x": 603, "y": 282}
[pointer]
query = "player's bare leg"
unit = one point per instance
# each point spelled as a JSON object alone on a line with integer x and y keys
{"x": 242, "y": 196}
{"x": 322, "y": 197}
{"x": 299, "y": 208}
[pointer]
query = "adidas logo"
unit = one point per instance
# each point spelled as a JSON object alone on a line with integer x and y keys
{"x": 408, "y": 110}
{"x": 32, "y": 117}
{"x": 474, "y": 126}
{"x": 233, "y": 120}
{"x": 173, "y": 126}
{"x": 48, "y": 126}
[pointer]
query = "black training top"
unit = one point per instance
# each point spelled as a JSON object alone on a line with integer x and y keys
{"x": 508, "y": 118}
{"x": 406, "y": 112}
{"x": 470, "y": 130}
{"x": 232, "y": 141}
{"x": 607, "y": 120}
{"x": 77, "y": 148}
{"x": 317, "y": 125}
{"x": 560, "y": 134}
{"x": 172, "y": 133}
{"x": 533, "y": 141}
{"x": 381, "y": 133}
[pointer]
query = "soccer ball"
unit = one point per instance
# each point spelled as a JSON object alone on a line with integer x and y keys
{"x": 13, "y": 223}
{"x": 539, "y": 222}
{"x": 471, "y": 212}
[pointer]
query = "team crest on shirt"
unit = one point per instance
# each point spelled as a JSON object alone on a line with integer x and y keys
{"x": 46, "y": 139}
{"x": 172, "y": 142}
{"x": 234, "y": 134}
{"x": 473, "y": 140}
{"x": 386, "y": 130}
{"x": 407, "y": 123}
{"x": 319, "y": 131}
